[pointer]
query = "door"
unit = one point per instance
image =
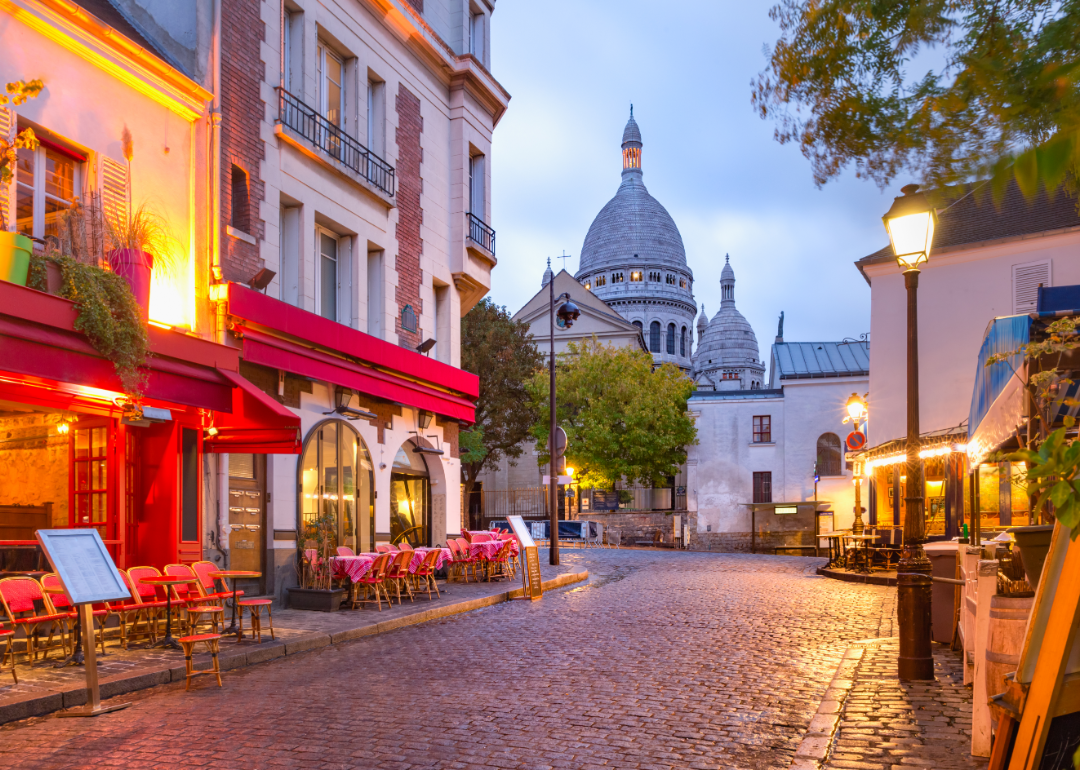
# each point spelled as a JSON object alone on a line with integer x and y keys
{"x": 247, "y": 518}
{"x": 91, "y": 482}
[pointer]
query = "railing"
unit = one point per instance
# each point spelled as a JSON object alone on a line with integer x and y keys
{"x": 480, "y": 233}
{"x": 331, "y": 140}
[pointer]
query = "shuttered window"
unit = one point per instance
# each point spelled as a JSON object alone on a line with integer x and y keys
{"x": 114, "y": 189}
{"x": 1026, "y": 279}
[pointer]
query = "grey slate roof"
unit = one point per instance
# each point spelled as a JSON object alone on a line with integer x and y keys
{"x": 631, "y": 133}
{"x": 807, "y": 360}
{"x": 112, "y": 16}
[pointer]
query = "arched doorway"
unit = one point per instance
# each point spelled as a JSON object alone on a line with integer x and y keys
{"x": 336, "y": 481}
{"x": 410, "y": 497}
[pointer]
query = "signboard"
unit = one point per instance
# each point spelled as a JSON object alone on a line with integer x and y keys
{"x": 561, "y": 480}
{"x": 605, "y": 500}
{"x": 83, "y": 564}
{"x": 532, "y": 582}
{"x": 785, "y": 510}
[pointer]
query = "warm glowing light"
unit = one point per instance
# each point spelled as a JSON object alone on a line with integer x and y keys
{"x": 172, "y": 292}
{"x": 160, "y": 325}
{"x": 856, "y": 408}
{"x": 219, "y": 292}
{"x": 211, "y": 431}
{"x": 910, "y": 224}
{"x": 403, "y": 508}
{"x": 63, "y": 427}
{"x": 569, "y": 471}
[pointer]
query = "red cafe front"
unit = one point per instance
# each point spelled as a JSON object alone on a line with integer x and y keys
{"x": 73, "y": 453}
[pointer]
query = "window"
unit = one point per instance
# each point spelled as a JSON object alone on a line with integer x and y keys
{"x": 45, "y": 183}
{"x": 763, "y": 429}
{"x": 682, "y": 343}
{"x": 671, "y": 339}
{"x": 408, "y": 319}
{"x": 654, "y": 277}
{"x": 638, "y": 325}
{"x": 828, "y": 455}
{"x": 762, "y": 486}
{"x": 670, "y": 279}
{"x": 239, "y": 214}
{"x": 635, "y": 276}
{"x": 327, "y": 300}
{"x": 588, "y": 285}
{"x": 375, "y": 293}
{"x": 476, "y": 36}
{"x": 330, "y": 78}
{"x": 616, "y": 277}
{"x": 682, "y": 283}
{"x": 654, "y": 337}
{"x": 336, "y": 481}
{"x": 601, "y": 280}
{"x": 476, "y": 186}
{"x": 189, "y": 485}
{"x": 375, "y": 116}
{"x": 292, "y": 27}
{"x": 289, "y": 260}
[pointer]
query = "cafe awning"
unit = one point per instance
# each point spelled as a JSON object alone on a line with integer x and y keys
{"x": 256, "y": 424}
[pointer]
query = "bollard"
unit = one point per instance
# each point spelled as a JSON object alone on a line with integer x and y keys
{"x": 913, "y": 596}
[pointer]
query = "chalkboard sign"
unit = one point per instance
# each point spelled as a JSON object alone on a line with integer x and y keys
{"x": 83, "y": 564}
{"x": 605, "y": 500}
{"x": 1061, "y": 742}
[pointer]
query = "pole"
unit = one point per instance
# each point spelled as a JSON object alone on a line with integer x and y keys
{"x": 857, "y": 524}
{"x": 553, "y": 479}
{"x": 916, "y": 661}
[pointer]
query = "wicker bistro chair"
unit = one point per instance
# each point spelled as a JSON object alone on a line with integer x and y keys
{"x": 129, "y": 611}
{"x": 459, "y": 562}
{"x": 425, "y": 574}
{"x": 467, "y": 560}
{"x": 61, "y": 603}
{"x": 212, "y": 593}
{"x": 375, "y": 582}
{"x": 146, "y": 596}
{"x": 188, "y": 643}
{"x": 255, "y": 608}
{"x": 405, "y": 545}
{"x": 398, "y": 574}
{"x": 6, "y": 638}
{"x": 344, "y": 550}
{"x": 386, "y": 548}
{"x": 190, "y": 599}
{"x": 502, "y": 565}
{"x": 19, "y": 596}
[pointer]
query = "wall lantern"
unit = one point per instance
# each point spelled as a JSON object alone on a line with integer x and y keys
{"x": 910, "y": 223}
{"x": 856, "y": 409}
{"x": 424, "y": 419}
{"x": 342, "y": 397}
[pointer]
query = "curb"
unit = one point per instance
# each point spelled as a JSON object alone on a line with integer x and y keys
{"x": 854, "y": 577}
{"x": 122, "y": 684}
{"x": 816, "y": 744}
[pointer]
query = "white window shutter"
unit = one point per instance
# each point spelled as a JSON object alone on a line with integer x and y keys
{"x": 114, "y": 189}
{"x": 8, "y": 123}
{"x": 1026, "y": 279}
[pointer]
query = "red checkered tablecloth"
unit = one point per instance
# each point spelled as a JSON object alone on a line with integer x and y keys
{"x": 420, "y": 553}
{"x": 490, "y": 549}
{"x": 353, "y": 567}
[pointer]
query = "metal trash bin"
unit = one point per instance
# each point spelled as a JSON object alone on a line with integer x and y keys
{"x": 942, "y": 555}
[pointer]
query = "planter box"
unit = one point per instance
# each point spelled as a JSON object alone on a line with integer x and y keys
{"x": 316, "y": 599}
{"x": 1034, "y": 544}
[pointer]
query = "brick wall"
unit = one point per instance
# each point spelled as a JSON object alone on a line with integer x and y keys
{"x": 450, "y": 430}
{"x": 410, "y": 214}
{"x": 242, "y": 110}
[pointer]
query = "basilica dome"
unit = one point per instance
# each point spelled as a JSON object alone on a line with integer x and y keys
{"x": 728, "y": 355}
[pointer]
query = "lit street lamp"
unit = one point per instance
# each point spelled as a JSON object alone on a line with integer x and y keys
{"x": 568, "y": 313}
{"x": 910, "y": 223}
{"x": 856, "y": 409}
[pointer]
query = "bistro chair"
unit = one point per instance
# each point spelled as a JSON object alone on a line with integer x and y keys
{"x": 459, "y": 562}
{"x": 128, "y": 612}
{"x": 375, "y": 582}
{"x": 405, "y": 545}
{"x": 188, "y": 643}
{"x": 481, "y": 537}
{"x": 344, "y": 550}
{"x": 385, "y": 548}
{"x": 501, "y": 565}
{"x": 61, "y": 603}
{"x": 20, "y": 595}
{"x": 467, "y": 559}
{"x": 212, "y": 593}
{"x": 6, "y": 638}
{"x": 190, "y": 599}
{"x": 255, "y": 608}
{"x": 426, "y": 573}
{"x": 399, "y": 574}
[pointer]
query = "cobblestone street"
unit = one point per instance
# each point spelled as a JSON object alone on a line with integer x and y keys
{"x": 661, "y": 660}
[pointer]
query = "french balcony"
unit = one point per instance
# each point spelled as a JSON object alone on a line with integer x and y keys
{"x": 481, "y": 234}
{"x": 331, "y": 142}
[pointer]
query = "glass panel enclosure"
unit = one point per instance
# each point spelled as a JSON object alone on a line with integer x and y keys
{"x": 410, "y": 498}
{"x": 336, "y": 488}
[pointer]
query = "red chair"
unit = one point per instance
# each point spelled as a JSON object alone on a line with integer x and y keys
{"x": 375, "y": 581}
{"x": 255, "y": 608}
{"x": 128, "y": 612}
{"x": 405, "y": 545}
{"x": 501, "y": 565}
{"x": 399, "y": 574}
{"x": 18, "y": 595}
{"x": 189, "y": 597}
{"x": 426, "y": 572}
{"x": 212, "y": 592}
{"x": 6, "y": 637}
{"x": 462, "y": 561}
{"x": 467, "y": 556}
{"x": 481, "y": 537}
{"x": 385, "y": 548}
{"x": 344, "y": 550}
{"x": 61, "y": 603}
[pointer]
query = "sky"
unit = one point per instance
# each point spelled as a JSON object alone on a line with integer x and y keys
{"x": 573, "y": 67}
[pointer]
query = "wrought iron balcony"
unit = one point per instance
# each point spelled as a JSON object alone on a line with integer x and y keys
{"x": 480, "y": 233}
{"x": 334, "y": 142}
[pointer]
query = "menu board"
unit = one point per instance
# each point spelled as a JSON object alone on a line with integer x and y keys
{"x": 534, "y": 583}
{"x": 83, "y": 564}
{"x": 521, "y": 529}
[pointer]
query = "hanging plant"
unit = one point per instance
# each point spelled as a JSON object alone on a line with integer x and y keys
{"x": 108, "y": 315}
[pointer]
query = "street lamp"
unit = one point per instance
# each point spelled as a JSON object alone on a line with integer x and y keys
{"x": 568, "y": 313}
{"x": 910, "y": 224}
{"x": 856, "y": 409}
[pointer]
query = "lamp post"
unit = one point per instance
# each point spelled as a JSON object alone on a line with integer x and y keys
{"x": 565, "y": 317}
{"x": 856, "y": 409}
{"x": 910, "y": 223}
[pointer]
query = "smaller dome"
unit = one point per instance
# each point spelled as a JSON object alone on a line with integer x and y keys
{"x": 727, "y": 274}
{"x": 702, "y": 321}
{"x": 548, "y": 275}
{"x": 631, "y": 133}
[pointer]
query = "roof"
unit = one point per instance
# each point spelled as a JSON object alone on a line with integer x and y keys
{"x": 757, "y": 393}
{"x": 813, "y": 360}
{"x": 111, "y": 15}
{"x": 631, "y": 133}
{"x": 972, "y": 217}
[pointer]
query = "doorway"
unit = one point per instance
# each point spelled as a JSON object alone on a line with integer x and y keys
{"x": 247, "y": 518}
{"x": 410, "y": 498}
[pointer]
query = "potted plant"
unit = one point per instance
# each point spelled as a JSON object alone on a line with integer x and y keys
{"x": 138, "y": 245}
{"x": 15, "y": 248}
{"x": 316, "y": 590}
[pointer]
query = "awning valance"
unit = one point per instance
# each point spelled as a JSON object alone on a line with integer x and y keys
{"x": 257, "y": 423}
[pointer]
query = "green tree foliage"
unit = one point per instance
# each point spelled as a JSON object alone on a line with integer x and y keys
{"x": 854, "y": 81}
{"x": 623, "y": 418}
{"x": 500, "y": 351}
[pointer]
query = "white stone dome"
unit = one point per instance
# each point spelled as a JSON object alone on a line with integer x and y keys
{"x": 728, "y": 349}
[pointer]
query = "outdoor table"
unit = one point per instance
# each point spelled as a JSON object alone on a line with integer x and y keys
{"x": 234, "y": 574}
{"x": 866, "y": 551}
{"x": 76, "y": 657}
{"x": 168, "y": 640}
{"x": 835, "y": 542}
{"x": 420, "y": 553}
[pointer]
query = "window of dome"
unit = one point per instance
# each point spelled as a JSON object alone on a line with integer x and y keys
{"x": 670, "y": 279}
{"x": 671, "y": 339}
{"x": 616, "y": 277}
{"x": 682, "y": 343}
{"x": 654, "y": 277}
{"x": 601, "y": 280}
{"x": 635, "y": 276}
{"x": 588, "y": 285}
{"x": 682, "y": 283}
{"x": 654, "y": 337}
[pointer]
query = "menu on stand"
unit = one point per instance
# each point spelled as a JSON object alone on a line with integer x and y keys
{"x": 534, "y": 586}
{"x": 83, "y": 564}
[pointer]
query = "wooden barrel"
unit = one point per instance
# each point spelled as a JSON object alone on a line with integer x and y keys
{"x": 1008, "y": 620}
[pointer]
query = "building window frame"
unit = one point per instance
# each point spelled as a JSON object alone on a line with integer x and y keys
{"x": 670, "y": 346}
{"x": 43, "y": 203}
{"x": 324, "y": 283}
{"x": 762, "y": 428}
{"x": 830, "y": 455}
{"x": 654, "y": 337}
{"x": 762, "y": 486}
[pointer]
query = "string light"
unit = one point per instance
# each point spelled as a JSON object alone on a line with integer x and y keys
{"x": 924, "y": 454}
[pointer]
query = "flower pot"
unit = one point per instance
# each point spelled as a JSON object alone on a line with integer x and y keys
{"x": 136, "y": 267}
{"x": 316, "y": 599}
{"x": 15, "y": 250}
{"x": 1034, "y": 544}
{"x": 54, "y": 277}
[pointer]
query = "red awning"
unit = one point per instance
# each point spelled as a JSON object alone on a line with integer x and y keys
{"x": 257, "y": 423}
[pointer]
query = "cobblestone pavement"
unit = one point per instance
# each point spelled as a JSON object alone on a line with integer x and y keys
{"x": 887, "y": 724}
{"x": 662, "y": 660}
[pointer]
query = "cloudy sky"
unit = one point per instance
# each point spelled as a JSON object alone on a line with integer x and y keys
{"x": 574, "y": 66}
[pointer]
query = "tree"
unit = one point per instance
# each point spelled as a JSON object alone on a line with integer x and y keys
{"x": 501, "y": 352}
{"x": 1004, "y": 101}
{"x": 623, "y": 418}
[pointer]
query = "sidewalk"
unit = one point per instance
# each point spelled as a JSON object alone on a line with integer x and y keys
{"x": 870, "y": 720}
{"x": 43, "y": 689}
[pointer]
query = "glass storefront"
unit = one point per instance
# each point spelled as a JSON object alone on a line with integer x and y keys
{"x": 337, "y": 487}
{"x": 410, "y": 498}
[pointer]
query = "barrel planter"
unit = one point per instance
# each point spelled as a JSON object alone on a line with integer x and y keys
{"x": 1008, "y": 621}
{"x": 136, "y": 267}
{"x": 15, "y": 250}
{"x": 1034, "y": 544}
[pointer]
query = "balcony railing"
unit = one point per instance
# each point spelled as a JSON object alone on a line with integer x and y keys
{"x": 480, "y": 233}
{"x": 331, "y": 140}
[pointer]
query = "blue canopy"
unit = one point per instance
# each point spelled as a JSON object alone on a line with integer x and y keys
{"x": 1004, "y": 335}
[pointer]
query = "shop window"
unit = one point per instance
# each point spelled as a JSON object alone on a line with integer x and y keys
{"x": 336, "y": 481}
{"x": 654, "y": 337}
{"x": 763, "y": 429}
{"x": 90, "y": 463}
{"x": 828, "y": 455}
{"x": 46, "y": 181}
{"x": 762, "y": 486}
